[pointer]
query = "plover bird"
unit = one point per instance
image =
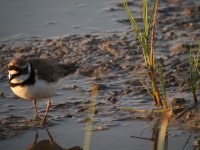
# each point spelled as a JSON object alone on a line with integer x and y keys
{"x": 37, "y": 79}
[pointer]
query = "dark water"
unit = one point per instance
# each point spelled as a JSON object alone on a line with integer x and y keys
{"x": 49, "y": 18}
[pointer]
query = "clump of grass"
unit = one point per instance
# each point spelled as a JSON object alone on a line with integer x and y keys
{"x": 194, "y": 72}
{"x": 164, "y": 96}
{"x": 147, "y": 42}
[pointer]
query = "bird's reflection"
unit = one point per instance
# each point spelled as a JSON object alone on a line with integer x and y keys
{"x": 48, "y": 144}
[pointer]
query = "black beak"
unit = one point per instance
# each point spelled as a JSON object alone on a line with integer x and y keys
{"x": 12, "y": 76}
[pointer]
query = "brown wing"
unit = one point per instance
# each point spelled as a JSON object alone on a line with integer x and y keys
{"x": 47, "y": 70}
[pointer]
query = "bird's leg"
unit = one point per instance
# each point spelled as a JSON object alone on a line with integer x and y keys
{"x": 36, "y": 138}
{"x": 47, "y": 110}
{"x": 35, "y": 108}
{"x": 49, "y": 134}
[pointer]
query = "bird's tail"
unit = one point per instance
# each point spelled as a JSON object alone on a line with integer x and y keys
{"x": 69, "y": 68}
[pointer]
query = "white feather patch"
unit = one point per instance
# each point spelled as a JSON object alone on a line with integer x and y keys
{"x": 41, "y": 89}
{"x": 20, "y": 79}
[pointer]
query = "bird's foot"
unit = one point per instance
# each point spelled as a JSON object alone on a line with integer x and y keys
{"x": 44, "y": 122}
{"x": 37, "y": 118}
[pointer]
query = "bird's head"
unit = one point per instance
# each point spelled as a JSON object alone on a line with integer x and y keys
{"x": 18, "y": 69}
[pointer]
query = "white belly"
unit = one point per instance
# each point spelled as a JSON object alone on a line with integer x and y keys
{"x": 39, "y": 90}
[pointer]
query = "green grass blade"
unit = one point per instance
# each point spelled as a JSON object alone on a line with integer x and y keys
{"x": 163, "y": 88}
{"x": 193, "y": 74}
{"x": 145, "y": 19}
{"x": 133, "y": 22}
{"x": 150, "y": 93}
{"x": 191, "y": 66}
{"x": 152, "y": 14}
{"x": 196, "y": 60}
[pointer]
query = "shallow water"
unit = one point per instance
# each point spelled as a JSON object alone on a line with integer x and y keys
{"x": 50, "y": 18}
{"x": 68, "y": 134}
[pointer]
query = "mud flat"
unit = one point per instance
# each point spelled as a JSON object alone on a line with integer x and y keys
{"x": 114, "y": 65}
